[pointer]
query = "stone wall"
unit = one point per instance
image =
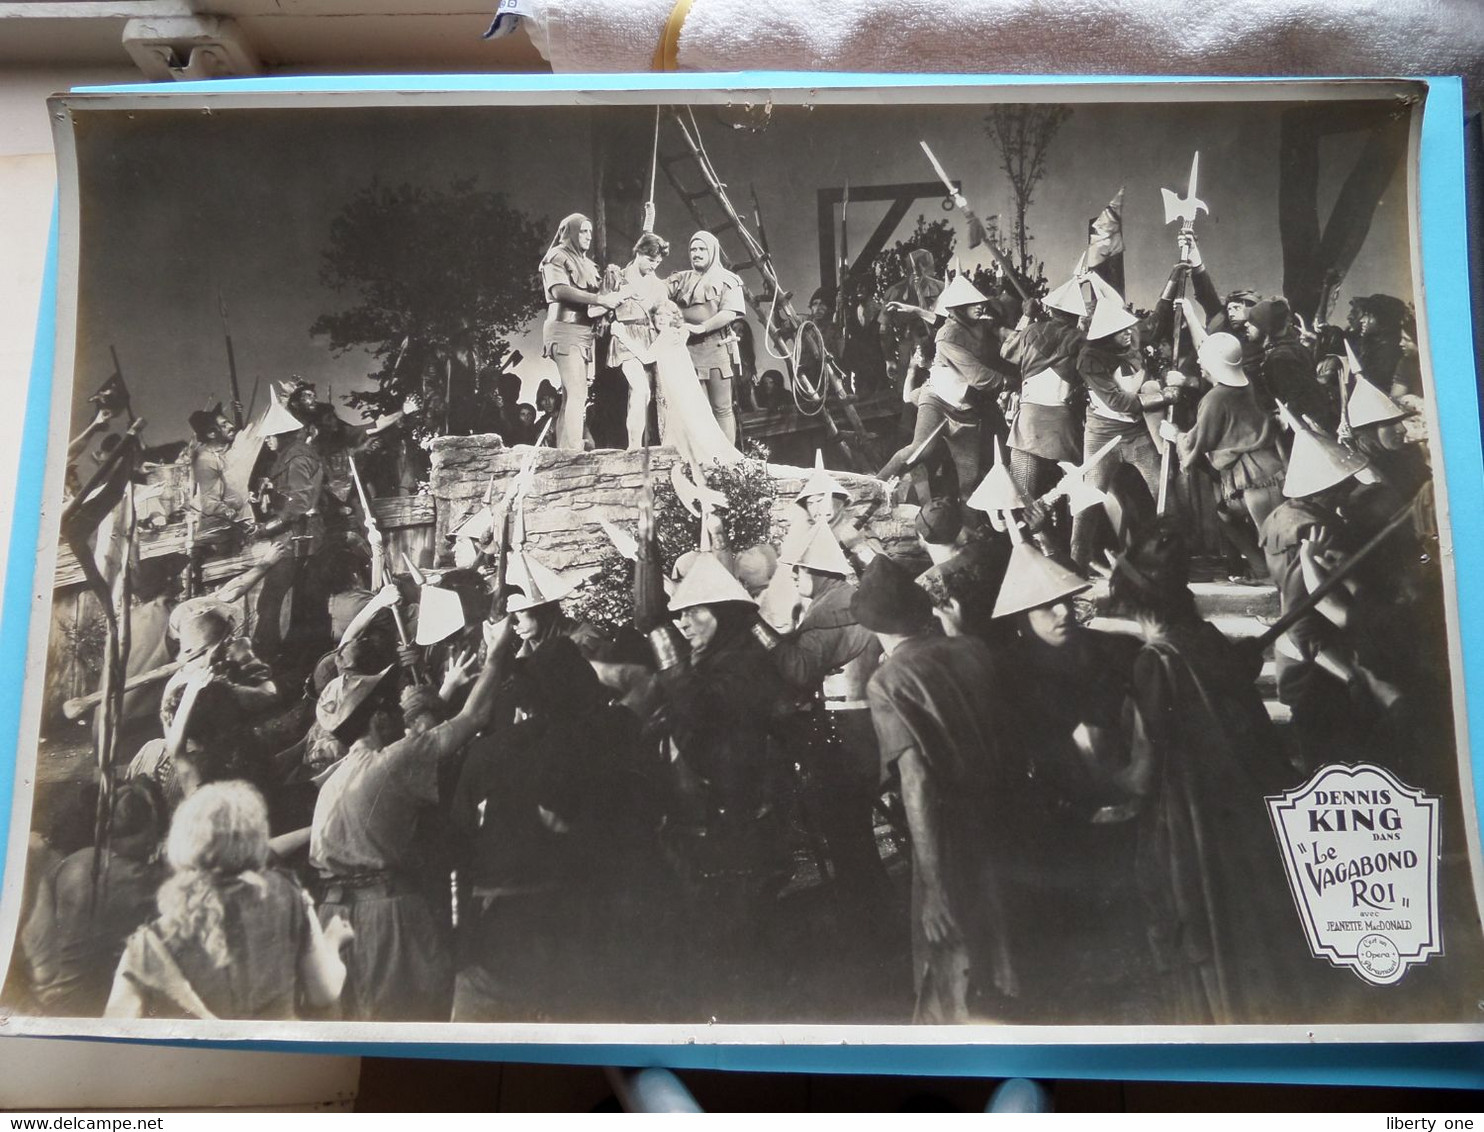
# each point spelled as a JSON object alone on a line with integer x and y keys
{"x": 573, "y": 491}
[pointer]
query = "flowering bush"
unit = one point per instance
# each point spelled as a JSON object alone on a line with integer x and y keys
{"x": 606, "y": 600}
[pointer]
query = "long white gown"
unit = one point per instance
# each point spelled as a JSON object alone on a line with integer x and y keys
{"x": 687, "y": 423}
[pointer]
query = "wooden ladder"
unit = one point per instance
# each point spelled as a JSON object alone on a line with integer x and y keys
{"x": 704, "y": 194}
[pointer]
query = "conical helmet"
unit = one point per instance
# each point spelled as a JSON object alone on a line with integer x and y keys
{"x": 706, "y": 583}
{"x": 1109, "y": 317}
{"x": 822, "y": 553}
{"x": 1317, "y": 462}
{"x": 960, "y": 293}
{"x": 477, "y": 526}
{"x": 276, "y": 418}
{"x": 1067, "y": 298}
{"x": 1033, "y": 580}
{"x": 537, "y": 584}
{"x": 820, "y": 483}
{"x": 1367, "y": 405}
{"x": 996, "y": 491}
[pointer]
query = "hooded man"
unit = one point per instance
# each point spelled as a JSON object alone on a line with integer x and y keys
{"x": 711, "y": 298}
{"x": 1382, "y": 326}
{"x": 938, "y": 714}
{"x": 1287, "y": 372}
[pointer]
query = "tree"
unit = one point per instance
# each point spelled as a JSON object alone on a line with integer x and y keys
{"x": 1315, "y": 259}
{"x": 439, "y": 279}
{"x": 890, "y": 265}
{"x": 1023, "y": 134}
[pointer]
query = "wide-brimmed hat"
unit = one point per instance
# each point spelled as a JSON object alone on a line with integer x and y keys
{"x": 529, "y": 583}
{"x": 960, "y": 293}
{"x": 1317, "y": 462}
{"x": 1032, "y": 580}
{"x": 343, "y": 694}
{"x": 707, "y": 582}
{"x": 889, "y": 600}
{"x": 1067, "y": 298}
{"x": 1366, "y": 404}
{"x": 822, "y": 554}
{"x": 200, "y": 624}
{"x": 1220, "y": 356}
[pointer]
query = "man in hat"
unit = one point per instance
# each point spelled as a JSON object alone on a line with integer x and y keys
{"x": 1333, "y": 697}
{"x": 1287, "y": 372}
{"x": 534, "y": 595}
{"x": 1047, "y": 430}
{"x": 1239, "y": 440}
{"x": 566, "y": 917}
{"x": 962, "y": 374}
{"x": 940, "y": 528}
{"x": 938, "y": 713}
{"x": 1381, "y": 329}
{"x": 903, "y": 332}
{"x": 729, "y": 716}
{"x": 1068, "y": 682}
{"x": 827, "y": 659}
{"x": 365, "y": 842}
{"x": 1119, "y": 394}
{"x": 292, "y": 496}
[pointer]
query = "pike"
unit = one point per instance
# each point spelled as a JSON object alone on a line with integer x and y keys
{"x": 504, "y": 527}
{"x": 1337, "y": 576}
{"x": 221, "y": 306}
{"x": 379, "y": 571}
{"x": 78, "y": 706}
{"x": 842, "y": 315}
{"x": 994, "y": 249}
{"x": 1183, "y": 209}
{"x": 928, "y": 441}
{"x": 1074, "y": 487}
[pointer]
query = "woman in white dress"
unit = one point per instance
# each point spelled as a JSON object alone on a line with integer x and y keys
{"x": 688, "y": 424}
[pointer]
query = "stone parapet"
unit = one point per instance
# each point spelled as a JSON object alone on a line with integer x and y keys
{"x": 573, "y": 492}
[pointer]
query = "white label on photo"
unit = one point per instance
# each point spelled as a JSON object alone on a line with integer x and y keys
{"x": 1361, "y": 851}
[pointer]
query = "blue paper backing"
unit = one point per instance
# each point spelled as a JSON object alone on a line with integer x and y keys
{"x": 1444, "y": 251}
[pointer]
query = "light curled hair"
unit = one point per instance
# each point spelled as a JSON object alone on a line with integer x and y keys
{"x": 219, "y": 833}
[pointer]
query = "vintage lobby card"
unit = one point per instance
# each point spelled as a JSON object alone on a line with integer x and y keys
{"x": 865, "y": 562}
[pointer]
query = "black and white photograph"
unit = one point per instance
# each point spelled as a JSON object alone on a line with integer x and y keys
{"x": 837, "y": 561}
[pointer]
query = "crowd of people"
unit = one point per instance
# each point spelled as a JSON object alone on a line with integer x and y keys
{"x": 387, "y": 794}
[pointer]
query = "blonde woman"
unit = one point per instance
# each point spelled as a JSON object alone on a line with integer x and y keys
{"x": 234, "y": 938}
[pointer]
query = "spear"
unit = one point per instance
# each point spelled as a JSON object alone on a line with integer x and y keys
{"x": 1183, "y": 209}
{"x": 221, "y": 306}
{"x": 958, "y": 198}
